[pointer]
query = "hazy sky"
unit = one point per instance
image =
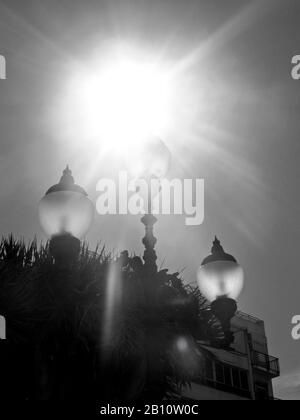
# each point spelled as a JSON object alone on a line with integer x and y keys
{"x": 235, "y": 123}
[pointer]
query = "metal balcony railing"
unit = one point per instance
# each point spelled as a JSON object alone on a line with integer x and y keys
{"x": 267, "y": 363}
{"x": 249, "y": 317}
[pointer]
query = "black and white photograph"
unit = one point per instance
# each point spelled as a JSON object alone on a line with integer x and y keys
{"x": 149, "y": 203}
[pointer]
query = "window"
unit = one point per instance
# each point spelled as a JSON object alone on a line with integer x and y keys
{"x": 209, "y": 369}
{"x": 236, "y": 378}
{"x": 227, "y": 377}
{"x": 244, "y": 379}
{"x": 219, "y": 373}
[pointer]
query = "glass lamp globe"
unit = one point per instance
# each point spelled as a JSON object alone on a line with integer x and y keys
{"x": 220, "y": 276}
{"x": 220, "y": 280}
{"x": 66, "y": 209}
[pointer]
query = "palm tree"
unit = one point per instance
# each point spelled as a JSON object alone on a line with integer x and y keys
{"x": 92, "y": 331}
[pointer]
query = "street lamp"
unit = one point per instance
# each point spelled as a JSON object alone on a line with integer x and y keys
{"x": 221, "y": 280}
{"x": 65, "y": 214}
{"x": 151, "y": 163}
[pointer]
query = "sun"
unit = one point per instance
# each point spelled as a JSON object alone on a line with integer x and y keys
{"x": 120, "y": 103}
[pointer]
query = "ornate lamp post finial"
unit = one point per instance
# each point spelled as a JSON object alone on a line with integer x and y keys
{"x": 217, "y": 247}
{"x": 67, "y": 178}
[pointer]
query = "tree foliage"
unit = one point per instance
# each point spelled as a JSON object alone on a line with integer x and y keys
{"x": 97, "y": 329}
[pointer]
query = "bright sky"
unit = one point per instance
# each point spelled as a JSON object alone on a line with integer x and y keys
{"x": 234, "y": 121}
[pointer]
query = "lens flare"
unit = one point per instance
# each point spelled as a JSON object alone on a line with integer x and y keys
{"x": 120, "y": 104}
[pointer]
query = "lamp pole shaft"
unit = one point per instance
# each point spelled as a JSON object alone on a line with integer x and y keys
{"x": 149, "y": 239}
{"x": 149, "y": 242}
{"x": 65, "y": 249}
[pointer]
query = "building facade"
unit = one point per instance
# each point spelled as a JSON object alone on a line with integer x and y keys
{"x": 244, "y": 372}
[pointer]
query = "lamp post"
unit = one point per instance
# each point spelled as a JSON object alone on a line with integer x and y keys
{"x": 221, "y": 280}
{"x": 65, "y": 214}
{"x": 153, "y": 163}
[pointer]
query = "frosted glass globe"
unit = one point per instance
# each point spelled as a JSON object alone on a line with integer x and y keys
{"x": 221, "y": 279}
{"x": 66, "y": 212}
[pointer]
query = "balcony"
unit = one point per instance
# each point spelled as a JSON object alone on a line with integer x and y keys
{"x": 266, "y": 363}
